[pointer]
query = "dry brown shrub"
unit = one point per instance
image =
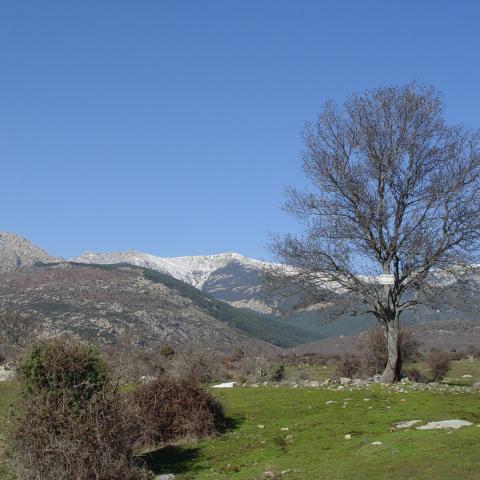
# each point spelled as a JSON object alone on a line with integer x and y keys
{"x": 170, "y": 410}
{"x": 348, "y": 366}
{"x": 372, "y": 350}
{"x": 438, "y": 364}
{"x": 413, "y": 374}
{"x": 52, "y": 441}
{"x": 258, "y": 370}
{"x": 198, "y": 366}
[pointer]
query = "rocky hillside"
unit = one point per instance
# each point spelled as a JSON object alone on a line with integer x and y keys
{"x": 102, "y": 302}
{"x": 17, "y": 252}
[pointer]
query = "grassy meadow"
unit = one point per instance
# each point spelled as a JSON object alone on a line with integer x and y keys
{"x": 315, "y": 447}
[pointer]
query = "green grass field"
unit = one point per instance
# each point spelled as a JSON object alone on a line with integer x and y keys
{"x": 7, "y": 397}
{"x": 315, "y": 447}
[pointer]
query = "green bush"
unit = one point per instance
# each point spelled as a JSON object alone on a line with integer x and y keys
{"x": 64, "y": 369}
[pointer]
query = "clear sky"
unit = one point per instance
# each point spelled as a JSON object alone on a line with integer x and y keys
{"x": 172, "y": 127}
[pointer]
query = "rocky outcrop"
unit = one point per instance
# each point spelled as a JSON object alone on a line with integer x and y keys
{"x": 17, "y": 253}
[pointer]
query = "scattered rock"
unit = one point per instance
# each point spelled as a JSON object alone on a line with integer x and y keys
{"x": 376, "y": 443}
{"x": 445, "y": 424}
{"x": 165, "y": 476}
{"x": 268, "y": 475}
{"x": 466, "y": 376}
{"x": 284, "y": 429}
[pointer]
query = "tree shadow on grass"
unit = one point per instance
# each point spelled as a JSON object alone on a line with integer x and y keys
{"x": 181, "y": 459}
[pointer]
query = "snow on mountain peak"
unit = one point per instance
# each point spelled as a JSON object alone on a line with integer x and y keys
{"x": 194, "y": 270}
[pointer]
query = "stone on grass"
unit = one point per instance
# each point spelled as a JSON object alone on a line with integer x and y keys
{"x": 445, "y": 424}
{"x": 348, "y": 436}
{"x": 376, "y": 443}
{"x": 225, "y": 385}
{"x": 6, "y": 374}
{"x": 406, "y": 424}
{"x": 267, "y": 475}
{"x": 261, "y": 426}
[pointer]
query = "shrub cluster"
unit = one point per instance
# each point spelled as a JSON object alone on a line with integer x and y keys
{"x": 71, "y": 421}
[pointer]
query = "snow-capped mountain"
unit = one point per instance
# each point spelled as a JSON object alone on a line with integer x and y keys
{"x": 195, "y": 270}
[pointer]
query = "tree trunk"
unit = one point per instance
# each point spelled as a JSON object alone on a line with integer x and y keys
{"x": 392, "y": 370}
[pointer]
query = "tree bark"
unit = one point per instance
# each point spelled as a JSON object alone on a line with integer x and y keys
{"x": 393, "y": 368}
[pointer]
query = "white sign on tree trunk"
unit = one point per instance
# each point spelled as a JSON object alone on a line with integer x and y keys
{"x": 385, "y": 279}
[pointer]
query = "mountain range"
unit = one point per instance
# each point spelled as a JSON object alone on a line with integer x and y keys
{"x": 218, "y": 300}
{"x": 165, "y": 301}
{"x": 231, "y": 277}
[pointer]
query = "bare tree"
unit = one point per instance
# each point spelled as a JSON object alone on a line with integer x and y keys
{"x": 394, "y": 209}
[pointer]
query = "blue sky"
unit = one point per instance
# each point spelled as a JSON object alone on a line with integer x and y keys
{"x": 173, "y": 127}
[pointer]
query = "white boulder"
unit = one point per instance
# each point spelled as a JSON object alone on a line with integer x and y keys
{"x": 226, "y": 385}
{"x": 444, "y": 424}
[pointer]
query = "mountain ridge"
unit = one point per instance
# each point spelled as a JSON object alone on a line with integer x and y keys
{"x": 194, "y": 269}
